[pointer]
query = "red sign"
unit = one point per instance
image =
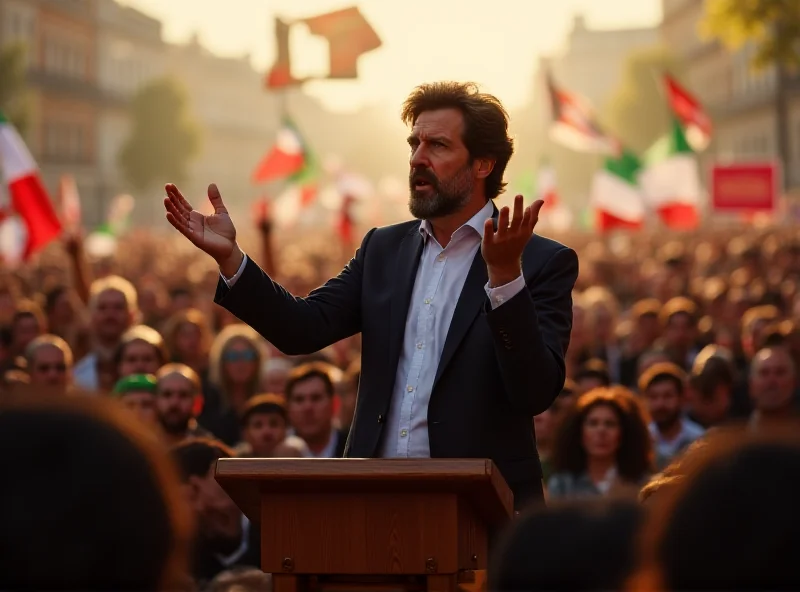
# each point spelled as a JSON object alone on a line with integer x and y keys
{"x": 744, "y": 187}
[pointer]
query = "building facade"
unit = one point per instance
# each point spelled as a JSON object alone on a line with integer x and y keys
{"x": 742, "y": 101}
{"x": 131, "y": 53}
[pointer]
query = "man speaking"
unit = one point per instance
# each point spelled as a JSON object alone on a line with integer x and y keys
{"x": 465, "y": 314}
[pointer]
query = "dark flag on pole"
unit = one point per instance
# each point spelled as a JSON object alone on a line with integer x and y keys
{"x": 348, "y": 34}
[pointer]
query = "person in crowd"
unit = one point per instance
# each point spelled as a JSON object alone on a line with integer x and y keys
{"x": 188, "y": 338}
{"x": 578, "y": 351}
{"x": 275, "y": 373}
{"x": 716, "y": 530}
{"x": 265, "y": 429}
{"x": 237, "y": 356}
{"x": 309, "y": 402}
{"x": 663, "y": 387}
{"x": 644, "y": 333}
{"x": 141, "y": 351}
{"x": 225, "y": 537}
{"x": 179, "y": 402}
{"x": 648, "y": 359}
{"x": 48, "y": 362}
{"x": 603, "y": 314}
{"x": 602, "y": 445}
{"x": 137, "y": 392}
{"x": 679, "y": 317}
{"x": 65, "y": 311}
{"x": 773, "y": 380}
{"x": 113, "y": 309}
{"x": 91, "y": 502}
{"x": 513, "y": 299}
{"x": 591, "y": 375}
{"x": 546, "y": 424}
{"x": 571, "y": 546}
{"x": 710, "y": 386}
{"x": 27, "y": 324}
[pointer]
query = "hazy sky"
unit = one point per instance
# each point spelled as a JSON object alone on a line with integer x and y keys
{"x": 492, "y": 42}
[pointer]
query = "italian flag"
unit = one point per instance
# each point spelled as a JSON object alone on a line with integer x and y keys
{"x": 287, "y": 156}
{"x": 615, "y": 196}
{"x": 546, "y": 186}
{"x": 29, "y": 199}
{"x": 670, "y": 181}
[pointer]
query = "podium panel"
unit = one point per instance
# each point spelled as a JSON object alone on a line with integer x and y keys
{"x": 405, "y": 524}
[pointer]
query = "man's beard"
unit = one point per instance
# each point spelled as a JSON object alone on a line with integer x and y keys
{"x": 664, "y": 423}
{"x": 442, "y": 197}
{"x": 174, "y": 424}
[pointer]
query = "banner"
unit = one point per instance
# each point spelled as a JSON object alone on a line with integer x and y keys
{"x": 744, "y": 187}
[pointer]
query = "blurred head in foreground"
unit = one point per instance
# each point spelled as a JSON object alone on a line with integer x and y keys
{"x": 90, "y": 501}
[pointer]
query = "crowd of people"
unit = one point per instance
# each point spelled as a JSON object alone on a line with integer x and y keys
{"x": 676, "y": 342}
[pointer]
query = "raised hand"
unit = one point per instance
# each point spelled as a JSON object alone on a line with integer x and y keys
{"x": 502, "y": 249}
{"x": 214, "y": 234}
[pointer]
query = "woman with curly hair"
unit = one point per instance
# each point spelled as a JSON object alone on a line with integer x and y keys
{"x": 602, "y": 445}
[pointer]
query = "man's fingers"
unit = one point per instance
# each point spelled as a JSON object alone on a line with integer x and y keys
{"x": 180, "y": 226}
{"x": 175, "y": 196}
{"x": 535, "y": 209}
{"x": 502, "y": 221}
{"x": 172, "y": 208}
{"x": 516, "y": 221}
{"x": 488, "y": 231}
{"x": 216, "y": 199}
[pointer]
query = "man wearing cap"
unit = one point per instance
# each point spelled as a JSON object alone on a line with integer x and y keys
{"x": 137, "y": 392}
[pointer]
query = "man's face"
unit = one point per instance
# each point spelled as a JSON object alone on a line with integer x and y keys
{"x": 111, "y": 316}
{"x": 143, "y": 405}
{"x": 310, "y": 408}
{"x": 680, "y": 331}
{"x": 175, "y": 397}
{"x": 217, "y": 516}
{"x": 772, "y": 381}
{"x": 664, "y": 402}
{"x": 263, "y": 432}
{"x": 139, "y": 357}
{"x": 49, "y": 368}
{"x": 26, "y": 329}
{"x": 441, "y": 177}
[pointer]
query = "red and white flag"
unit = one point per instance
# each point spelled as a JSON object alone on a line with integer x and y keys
{"x": 29, "y": 199}
{"x": 574, "y": 123}
{"x": 691, "y": 114}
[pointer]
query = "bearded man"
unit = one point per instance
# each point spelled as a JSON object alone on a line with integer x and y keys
{"x": 465, "y": 314}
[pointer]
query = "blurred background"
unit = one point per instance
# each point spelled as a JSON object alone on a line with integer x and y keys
{"x": 122, "y": 96}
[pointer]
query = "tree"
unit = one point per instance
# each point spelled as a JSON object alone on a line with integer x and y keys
{"x": 772, "y": 25}
{"x": 13, "y": 86}
{"x": 637, "y": 112}
{"x": 164, "y": 137}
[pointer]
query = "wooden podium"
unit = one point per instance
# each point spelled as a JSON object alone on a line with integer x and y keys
{"x": 370, "y": 524}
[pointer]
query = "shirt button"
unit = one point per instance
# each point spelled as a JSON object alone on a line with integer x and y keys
{"x": 441, "y": 258}
{"x": 404, "y": 433}
{"x": 427, "y": 301}
{"x": 420, "y": 346}
{"x": 410, "y": 388}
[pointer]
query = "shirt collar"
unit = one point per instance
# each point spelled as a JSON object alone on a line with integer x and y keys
{"x": 476, "y": 222}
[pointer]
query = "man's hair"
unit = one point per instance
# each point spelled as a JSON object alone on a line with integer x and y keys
{"x": 117, "y": 284}
{"x": 305, "y": 372}
{"x": 663, "y": 371}
{"x": 485, "y": 123}
{"x": 183, "y": 370}
{"x": 29, "y": 309}
{"x": 267, "y": 404}
{"x": 194, "y": 456}
{"x": 594, "y": 368}
{"x": 48, "y": 339}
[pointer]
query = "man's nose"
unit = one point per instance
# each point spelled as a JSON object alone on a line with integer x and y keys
{"x": 419, "y": 158}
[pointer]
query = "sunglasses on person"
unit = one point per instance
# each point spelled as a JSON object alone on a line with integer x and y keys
{"x": 246, "y": 355}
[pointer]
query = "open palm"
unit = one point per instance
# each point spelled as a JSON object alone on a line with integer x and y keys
{"x": 215, "y": 234}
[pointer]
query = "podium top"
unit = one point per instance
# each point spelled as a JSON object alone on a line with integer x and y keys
{"x": 246, "y": 479}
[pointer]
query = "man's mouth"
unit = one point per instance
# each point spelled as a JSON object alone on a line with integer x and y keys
{"x": 420, "y": 183}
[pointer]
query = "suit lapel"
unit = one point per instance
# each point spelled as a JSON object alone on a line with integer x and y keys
{"x": 470, "y": 302}
{"x": 408, "y": 257}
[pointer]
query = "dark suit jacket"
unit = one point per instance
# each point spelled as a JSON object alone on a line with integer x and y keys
{"x": 498, "y": 367}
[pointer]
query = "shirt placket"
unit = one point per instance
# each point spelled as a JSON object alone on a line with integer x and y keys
{"x": 423, "y": 336}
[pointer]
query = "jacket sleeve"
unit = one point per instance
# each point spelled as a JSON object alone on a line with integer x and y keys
{"x": 298, "y": 326}
{"x": 531, "y": 334}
